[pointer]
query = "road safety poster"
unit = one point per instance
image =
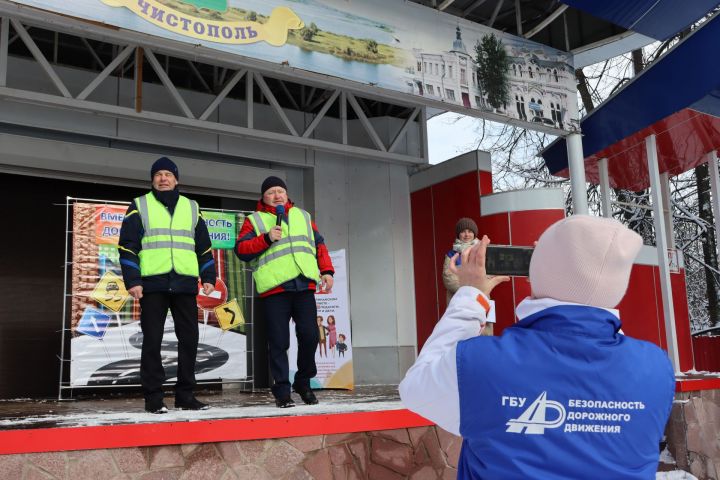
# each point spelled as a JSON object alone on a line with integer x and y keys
{"x": 105, "y": 320}
{"x": 333, "y": 354}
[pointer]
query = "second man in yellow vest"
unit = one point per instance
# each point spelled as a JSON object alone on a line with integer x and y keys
{"x": 289, "y": 259}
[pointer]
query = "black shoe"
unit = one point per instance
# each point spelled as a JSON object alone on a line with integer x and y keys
{"x": 285, "y": 402}
{"x": 155, "y": 406}
{"x": 191, "y": 404}
{"x": 307, "y": 396}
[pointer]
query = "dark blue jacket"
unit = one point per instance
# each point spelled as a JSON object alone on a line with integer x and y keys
{"x": 129, "y": 245}
{"x": 562, "y": 395}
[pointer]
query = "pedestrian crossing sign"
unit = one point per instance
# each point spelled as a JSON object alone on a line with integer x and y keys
{"x": 110, "y": 291}
{"x": 229, "y": 315}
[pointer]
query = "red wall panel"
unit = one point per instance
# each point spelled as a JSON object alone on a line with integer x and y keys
{"x": 485, "y": 179}
{"x": 452, "y": 199}
{"x": 504, "y": 307}
{"x": 455, "y": 198}
{"x": 435, "y": 211}
{"x": 523, "y": 228}
{"x": 424, "y": 263}
{"x": 496, "y": 227}
{"x": 706, "y": 353}
{"x": 522, "y": 288}
{"x": 527, "y": 226}
{"x": 660, "y": 309}
{"x": 639, "y": 308}
{"x": 507, "y": 296}
{"x": 682, "y": 321}
{"x": 641, "y": 311}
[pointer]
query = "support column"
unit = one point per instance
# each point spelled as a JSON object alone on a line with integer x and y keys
{"x": 667, "y": 210}
{"x": 662, "y": 249}
{"x": 715, "y": 191}
{"x": 4, "y": 41}
{"x": 139, "y": 60}
{"x": 604, "y": 188}
{"x": 343, "y": 117}
{"x": 424, "y": 135}
{"x": 576, "y": 165}
{"x": 250, "y": 99}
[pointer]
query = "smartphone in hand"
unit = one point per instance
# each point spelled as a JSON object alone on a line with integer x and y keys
{"x": 508, "y": 260}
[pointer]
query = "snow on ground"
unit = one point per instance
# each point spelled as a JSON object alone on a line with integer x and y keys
{"x": 89, "y": 418}
{"x": 666, "y": 457}
{"x": 675, "y": 475}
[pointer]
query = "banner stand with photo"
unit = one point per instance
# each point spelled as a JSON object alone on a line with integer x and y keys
{"x": 101, "y": 321}
{"x": 333, "y": 355}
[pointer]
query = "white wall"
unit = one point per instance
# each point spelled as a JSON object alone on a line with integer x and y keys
{"x": 364, "y": 207}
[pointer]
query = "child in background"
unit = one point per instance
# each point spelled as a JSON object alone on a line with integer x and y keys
{"x": 341, "y": 345}
{"x": 466, "y": 232}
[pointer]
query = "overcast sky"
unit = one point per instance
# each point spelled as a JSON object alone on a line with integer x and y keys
{"x": 447, "y": 139}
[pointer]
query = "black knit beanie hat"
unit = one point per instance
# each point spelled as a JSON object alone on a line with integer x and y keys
{"x": 271, "y": 182}
{"x": 466, "y": 223}
{"x": 164, "y": 163}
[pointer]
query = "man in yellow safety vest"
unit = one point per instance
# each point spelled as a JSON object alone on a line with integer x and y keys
{"x": 164, "y": 248}
{"x": 290, "y": 260}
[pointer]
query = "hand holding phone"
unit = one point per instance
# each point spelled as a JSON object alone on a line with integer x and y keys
{"x": 472, "y": 272}
{"x": 508, "y": 260}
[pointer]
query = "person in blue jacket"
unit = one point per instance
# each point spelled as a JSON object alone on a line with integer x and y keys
{"x": 562, "y": 394}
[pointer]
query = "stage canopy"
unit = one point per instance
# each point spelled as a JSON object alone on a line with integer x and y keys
{"x": 658, "y": 19}
{"x": 588, "y": 21}
{"x": 677, "y": 99}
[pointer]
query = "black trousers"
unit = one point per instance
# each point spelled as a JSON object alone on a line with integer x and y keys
{"x": 279, "y": 308}
{"x": 153, "y": 310}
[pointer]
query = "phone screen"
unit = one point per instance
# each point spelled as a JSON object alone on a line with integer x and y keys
{"x": 508, "y": 260}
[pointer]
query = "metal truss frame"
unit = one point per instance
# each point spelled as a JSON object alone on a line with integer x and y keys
{"x": 517, "y": 10}
{"x": 236, "y": 68}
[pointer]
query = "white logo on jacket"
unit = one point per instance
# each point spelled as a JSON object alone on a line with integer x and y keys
{"x": 534, "y": 421}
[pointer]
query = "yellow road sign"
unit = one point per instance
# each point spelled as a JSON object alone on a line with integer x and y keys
{"x": 110, "y": 291}
{"x": 229, "y": 314}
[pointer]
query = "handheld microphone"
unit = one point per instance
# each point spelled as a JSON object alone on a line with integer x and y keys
{"x": 279, "y": 211}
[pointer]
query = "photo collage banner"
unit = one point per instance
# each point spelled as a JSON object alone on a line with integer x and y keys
{"x": 106, "y": 337}
{"x": 391, "y": 44}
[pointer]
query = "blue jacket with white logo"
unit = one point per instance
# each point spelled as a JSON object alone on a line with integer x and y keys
{"x": 562, "y": 395}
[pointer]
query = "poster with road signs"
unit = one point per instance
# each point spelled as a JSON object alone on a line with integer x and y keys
{"x": 110, "y": 291}
{"x": 105, "y": 321}
{"x": 221, "y": 227}
{"x": 229, "y": 315}
{"x": 94, "y": 323}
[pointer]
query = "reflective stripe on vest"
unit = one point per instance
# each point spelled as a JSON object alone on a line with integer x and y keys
{"x": 291, "y": 256}
{"x": 168, "y": 242}
{"x": 259, "y": 223}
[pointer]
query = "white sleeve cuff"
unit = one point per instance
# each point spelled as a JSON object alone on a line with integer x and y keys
{"x": 467, "y": 298}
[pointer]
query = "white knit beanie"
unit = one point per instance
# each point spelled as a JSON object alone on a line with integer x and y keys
{"x": 584, "y": 259}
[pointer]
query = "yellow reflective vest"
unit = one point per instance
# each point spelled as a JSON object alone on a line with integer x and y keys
{"x": 168, "y": 242}
{"x": 291, "y": 256}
